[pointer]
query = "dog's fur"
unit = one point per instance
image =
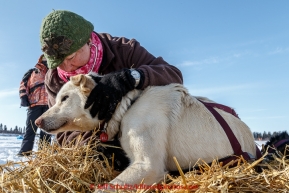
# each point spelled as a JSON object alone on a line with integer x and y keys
{"x": 156, "y": 124}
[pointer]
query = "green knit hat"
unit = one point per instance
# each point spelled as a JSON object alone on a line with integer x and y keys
{"x": 61, "y": 34}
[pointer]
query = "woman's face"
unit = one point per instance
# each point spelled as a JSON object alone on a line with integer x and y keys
{"x": 76, "y": 59}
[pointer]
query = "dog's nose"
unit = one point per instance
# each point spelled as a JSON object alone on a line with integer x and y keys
{"x": 38, "y": 122}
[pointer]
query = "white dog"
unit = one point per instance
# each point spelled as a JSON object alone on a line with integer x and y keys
{"x": 156, "y": 124}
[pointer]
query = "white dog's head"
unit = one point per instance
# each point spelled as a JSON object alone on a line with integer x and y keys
{"x": 68, "y": 114}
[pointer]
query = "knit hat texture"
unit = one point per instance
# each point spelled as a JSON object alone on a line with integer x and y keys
{"x": 61, "y": 34}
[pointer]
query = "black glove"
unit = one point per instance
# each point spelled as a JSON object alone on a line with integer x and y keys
{"x": 108, "y": 92}
{"x": 24, "y": 101}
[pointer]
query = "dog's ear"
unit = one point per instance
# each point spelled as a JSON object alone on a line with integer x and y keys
{"x": 86, "y": 84}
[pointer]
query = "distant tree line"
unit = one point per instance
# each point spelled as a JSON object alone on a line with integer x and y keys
{"x": 16, "y": 130}
{"x": 265, "y": 135}
{"x": 257, "y": 135}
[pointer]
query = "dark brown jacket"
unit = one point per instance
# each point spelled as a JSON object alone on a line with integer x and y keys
{"x": 119, "y": 53}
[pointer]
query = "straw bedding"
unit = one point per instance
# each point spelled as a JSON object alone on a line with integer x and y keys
{"x": 77, "y": 168}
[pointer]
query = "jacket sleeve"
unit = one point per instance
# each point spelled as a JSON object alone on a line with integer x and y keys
{"x": 22, "y": 89}
{"x": 156, "y": 70}
{"x": 23, "y": 94}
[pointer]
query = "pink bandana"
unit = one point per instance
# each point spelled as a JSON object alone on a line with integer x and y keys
{"x": 96, "y": 53}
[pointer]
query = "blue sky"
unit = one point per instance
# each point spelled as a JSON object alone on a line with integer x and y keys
{"x": 233, "y": 52}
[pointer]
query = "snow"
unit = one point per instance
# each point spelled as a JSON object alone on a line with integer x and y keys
{"x": 9, "y": 147}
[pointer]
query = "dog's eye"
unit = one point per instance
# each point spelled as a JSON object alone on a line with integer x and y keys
{"x": 64, "y": 98}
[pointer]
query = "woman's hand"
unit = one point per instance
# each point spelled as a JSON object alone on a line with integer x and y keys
{"x": 108, "y": 92}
